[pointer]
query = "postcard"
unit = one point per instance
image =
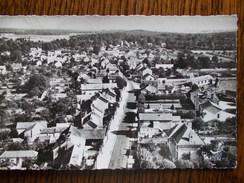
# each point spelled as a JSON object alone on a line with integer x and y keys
{"x": 118, "y": 92}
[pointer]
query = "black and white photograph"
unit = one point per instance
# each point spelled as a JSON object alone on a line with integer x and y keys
{"x": 118, "y": 92}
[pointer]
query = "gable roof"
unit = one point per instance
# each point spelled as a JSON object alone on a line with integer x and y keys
{"x": 25, "y": 125}
{"x": 53, "y": 130}
{"x": 110, "y": 92}
{"x": 95, "y": 81}
{"x": 151, "y": 89}
{"x": 98, "y": 86}
{"x": 93, "y": 134}
{"x": 147, "y": 75}
{"x": 183, "y": 135}
{"x": 155, "y": 117}
{"x": 19, "y": 154}
{"x": 210, "y": 107}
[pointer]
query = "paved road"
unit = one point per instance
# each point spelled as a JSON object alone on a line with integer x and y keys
{"x": 107, "y": 148}
{"x": 123, "y": 135}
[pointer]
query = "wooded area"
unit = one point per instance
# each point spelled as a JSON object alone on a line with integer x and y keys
{"x": 137, "y": 7}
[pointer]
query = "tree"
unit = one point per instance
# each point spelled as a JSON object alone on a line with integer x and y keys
{"x": 184, "y": 164}
{"x": 96, "y": 49}
{"x": 197, "y": 124}
{"x": 121, "y": 83}
{"x": 16, "y": 55}
{"x": 38, "y": 83}
{"x": 118, "y": 94}
{"x": 204, "y": 62}
{"x": 215, "y": 59}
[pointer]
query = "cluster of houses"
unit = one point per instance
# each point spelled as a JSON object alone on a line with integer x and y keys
{"x": 78, "y": 145}
{"x": 159, "y": 121}
{"x": 71, "y": 144}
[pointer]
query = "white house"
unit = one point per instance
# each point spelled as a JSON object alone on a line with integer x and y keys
{"x": 151, "y": 124}
{"x": 92, "y": 89}
{"x": 3, "y": 69}
{"x": 146, "y": 71}
{"x": 210, "y": 111}
{"x": 109, "y": 95}
{"x": 33, "y": 131}
{"x": 201, "y": 80}
{"x": 17, "y": 157}
{"x": 164, "y": 66}
{"x": 58, "y": 64}
{"x": 22, "y": 126}
{"x": 183, "y": 140}
{"x": 148, "y": 77}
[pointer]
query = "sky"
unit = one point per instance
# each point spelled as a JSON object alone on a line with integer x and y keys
{"x": 184, "y": 24}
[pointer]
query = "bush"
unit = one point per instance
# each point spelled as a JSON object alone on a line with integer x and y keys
{"x": 184, "y": 164}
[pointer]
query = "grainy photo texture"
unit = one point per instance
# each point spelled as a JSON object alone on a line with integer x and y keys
{"x": 117, "y": 92}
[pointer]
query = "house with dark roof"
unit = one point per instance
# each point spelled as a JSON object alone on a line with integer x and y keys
{"x": 92, "y": 120}
{"x": 109, "y": 95}
{"x": 183, "y": 140}
{"x": 92, "y": 135}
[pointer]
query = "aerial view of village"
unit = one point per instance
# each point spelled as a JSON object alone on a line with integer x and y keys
{"x": 74, "y": 98}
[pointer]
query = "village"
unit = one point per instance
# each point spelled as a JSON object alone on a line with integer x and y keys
{"x": 115, "y": 106}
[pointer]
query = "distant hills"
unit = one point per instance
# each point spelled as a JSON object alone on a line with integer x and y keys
{"x": 63, "y": 32}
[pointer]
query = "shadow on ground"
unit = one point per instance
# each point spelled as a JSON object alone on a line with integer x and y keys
{"x": 130, "y": 134}
{"x": 129, "y": 117}
{"x": 131, "y": 105}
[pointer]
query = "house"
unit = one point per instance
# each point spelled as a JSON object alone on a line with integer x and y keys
{"x": 92, "y": 135}
{"x": 211, "y": 111}
{"x": 150, "y": 89}
{"x": 16, "y": 67}
{"x": 148, "y": 77}
{"x": 58, "y": 64}
{"x": 92, "y": 120}
{"x": 109, "y": 95}
{"x": 201, "y": 80}
{"x": 17, "y": 157}
{"x": 164, "y": 66}
{"x": 100, "y": 104}
{"x": 146, "y": 71}
{"x": 161, "y": 105}
{"x": 92, "y": 89}
{"x": 32, "y": 132}
{"x": 182, "y": 140}
{"x": 95, "y": 118}
{"x": 22, "y": 126}
{"x": 38, "y": 63}
{"x": 112, "y": 77}
{"x": 69, "y": 148}
{"x": 51, "y": 134}
{"x": 3, "y": 69}
{"x": 94, "y": 80}
{"x": 172, "y": 81}
{"x": 151, "y": 124}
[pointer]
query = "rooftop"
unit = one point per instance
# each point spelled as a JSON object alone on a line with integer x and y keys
{"x": 19, "y": 154}
{"x": 155, "y": 117}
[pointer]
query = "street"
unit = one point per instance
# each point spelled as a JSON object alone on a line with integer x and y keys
{"x": 123, "y": 135}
